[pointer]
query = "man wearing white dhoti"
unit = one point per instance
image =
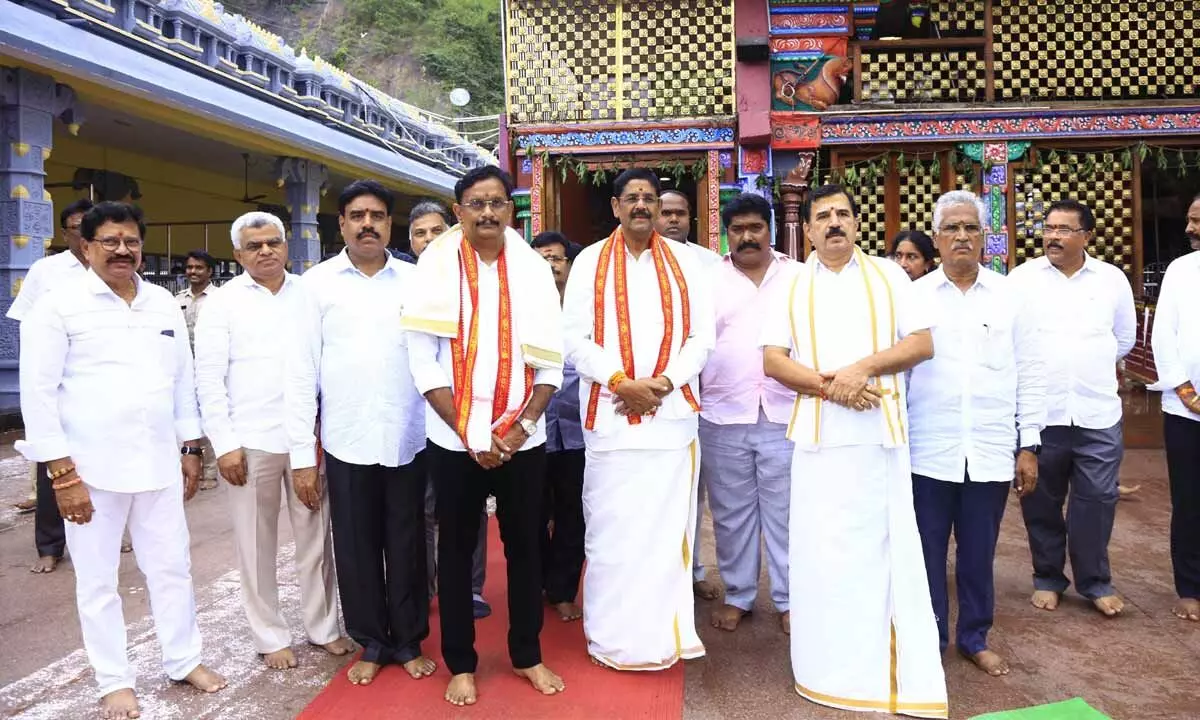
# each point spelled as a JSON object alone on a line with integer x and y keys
{"x": 863, "y": 631}
{"x": 108, "y": 396}
{"x": 639, "y": 327}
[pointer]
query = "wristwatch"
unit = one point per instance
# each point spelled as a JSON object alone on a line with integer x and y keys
{"x": 185, "y": 450}
{"x": 529, "y": 426}
{"x": 1035, "y": 449}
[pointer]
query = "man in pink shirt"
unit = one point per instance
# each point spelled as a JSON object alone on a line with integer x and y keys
{"x": 746, "y": 457}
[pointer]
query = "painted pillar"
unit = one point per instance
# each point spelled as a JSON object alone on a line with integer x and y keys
{"x": 521, "y": 200}
{"x": 728, "y": 192}
{"x": 303, "y": 182}
{"x": 792, "y": 193}
{"x": 994, "y": 158}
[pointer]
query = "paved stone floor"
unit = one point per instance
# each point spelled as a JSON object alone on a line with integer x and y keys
{"x": 1142, "y": 666}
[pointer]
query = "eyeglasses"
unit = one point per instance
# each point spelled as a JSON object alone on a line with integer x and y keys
{"x": 479, "y": 205}
{"x": 648, "y": 199}
{"x": 960, "y": 228}
{"x": 1059, "y": 230}
{"x": 257, "y": 245}
{"x": 555, "y": 259}
{"x": 111, "y": 244}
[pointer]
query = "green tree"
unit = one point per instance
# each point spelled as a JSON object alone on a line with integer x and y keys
{"x": 464, "y": 50}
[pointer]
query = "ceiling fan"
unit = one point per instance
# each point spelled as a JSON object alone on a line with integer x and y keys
{"x": 246, "y": 198}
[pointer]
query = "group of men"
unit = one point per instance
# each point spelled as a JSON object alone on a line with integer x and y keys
{"x": 842, "y": 415}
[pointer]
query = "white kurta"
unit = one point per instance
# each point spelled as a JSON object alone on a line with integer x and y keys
{"x": 863, "y": 631}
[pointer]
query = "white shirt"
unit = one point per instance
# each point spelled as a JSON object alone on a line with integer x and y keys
{"x": 596, "y": 364}
{"x": 1087, "y": 325}
{"x": 350, "y": 349}
{"x": 1176, "y": 335}
{"x": 843, "y": 318}
{"x": 242, "y": 338}
{"x": 108, "y": 384}
{"x": 43, "y": 276}
{"x": 707, "y": 258}
{"x": 432, "y": 364}
{"x": 985, "y": 381}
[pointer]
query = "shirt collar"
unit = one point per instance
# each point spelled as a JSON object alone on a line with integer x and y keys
{"x": 822, "y": 267}
{"x": 341, "y": 262}
{"x": 777, "y": 259}
{"x": 986, "y": 278}
{"x": 245, "y": 280}
{"x": 99, "y": 287}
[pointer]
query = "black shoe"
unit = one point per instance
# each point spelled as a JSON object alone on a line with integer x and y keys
{"x": 482, "y": 609}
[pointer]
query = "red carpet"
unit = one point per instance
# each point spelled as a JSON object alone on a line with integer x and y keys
{"x": 593, "y": 693}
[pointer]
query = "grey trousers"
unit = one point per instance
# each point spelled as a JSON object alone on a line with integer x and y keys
{"x": 478, "y": 560}
{"x": 1082, "y": 464}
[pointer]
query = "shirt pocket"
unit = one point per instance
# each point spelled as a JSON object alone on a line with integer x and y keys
{"x": 998, "y": 345}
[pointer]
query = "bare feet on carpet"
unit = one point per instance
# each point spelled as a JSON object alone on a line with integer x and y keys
{"x": 44, "y": 564}
{"x": 1125, "y": 491}
{"x": 363, "y": 672}
{"x": 1109, "y": 605}
{"x": 461, "y": 690}
{"x": 727, "y": 617}
{"x": 785, "y": 622}
{"x": 1045, "y": 599}
{"x": 706, "y": 589}
{"x": 420, "y": 667}
{"x": 341, "y": 646}
{"x": 1187, "y": 609}
{"x": 280, "y": 659}
{"x": 119, "y": 704}
{"x": 204, "y": 679}
{"x": 542, "y": 679}
{"x": 568, "y": 611}
{"x": 990, "y": 663}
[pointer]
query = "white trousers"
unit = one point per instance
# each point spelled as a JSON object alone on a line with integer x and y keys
{"x": 254, "y": 511}
{"x": 158, "y": 528}
{"x": 748, "y": 471}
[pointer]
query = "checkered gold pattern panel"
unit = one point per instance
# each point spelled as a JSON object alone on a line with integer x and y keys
{"x": 1108, "y": 192}
{"x": 923, "y": 76}
{"x": 958, "y": 17}
{"x": 589, "y": 60}
{"x": 872, "y": 217}
{"x": 1096, "y": 50}
{"x": 919, "y": 190}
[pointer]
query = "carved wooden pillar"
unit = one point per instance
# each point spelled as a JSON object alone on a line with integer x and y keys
{"x": 792, "y": 194}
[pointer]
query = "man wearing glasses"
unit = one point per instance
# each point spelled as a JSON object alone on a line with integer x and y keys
{"x": 44, "y": 275}
{"x": 1092, "y": 326}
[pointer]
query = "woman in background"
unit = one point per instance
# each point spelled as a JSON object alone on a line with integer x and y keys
{"x": 913, "y": 251}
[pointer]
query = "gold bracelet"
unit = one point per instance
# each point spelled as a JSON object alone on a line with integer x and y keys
{"x": 70, "y": 483}
{"x": 61, "y": 473}
{"x": 616, "y": 380}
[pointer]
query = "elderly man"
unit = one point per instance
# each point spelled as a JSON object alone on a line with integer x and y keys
{"x": 865, "y": 633}
{"x": 351, "y": 353}
{"x": 241, "y": 346}
{"x": 198, "y": 269}
{"x": 486, "y": 351}
{"x": 747, "y": 458}
{"x": 108, "y": 397}
{"x": 1176, "y": 343}
{"x": 44, "y": 275}
{"x": 1087, "y": 315}
{"x": 639, "y": 327}
{"x": 426, "y": 220}
{"x": 979, "y": 398}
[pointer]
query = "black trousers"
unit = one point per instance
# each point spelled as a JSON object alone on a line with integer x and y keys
{"x": 1182, "y": 440}
{"x": 378, "y": 518}
{"x": 562, "y": 550}
{"x": 49, "y": 535}
{"x": 462, "y": 490}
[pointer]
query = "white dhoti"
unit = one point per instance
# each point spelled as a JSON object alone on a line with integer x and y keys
{"x": 863, "y": 631}
{"x": 639, "y": 508}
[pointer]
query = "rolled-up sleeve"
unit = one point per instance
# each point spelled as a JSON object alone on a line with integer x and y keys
{"x": 212, "y": 369}
{"x": 43, "y": 357}
{"x": 300, "y": 382}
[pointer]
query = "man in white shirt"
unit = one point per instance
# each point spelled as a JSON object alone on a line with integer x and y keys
{"x": 971, "y": 406}
{"x": 351, "y": 354}
{"x": 241, "y": 347}
{"x": 675, "y": 222}
{"x": 866, "y": 638}
{"x": 44, "y": 275}
{"x": 486, "y": 351}
{"x": 639, "y": 328}
{"x": 108, "y": 396}
{"x": 1087, "y": 321}
{"x": 199, "y": 269}
{"x": 1176, "y": 344}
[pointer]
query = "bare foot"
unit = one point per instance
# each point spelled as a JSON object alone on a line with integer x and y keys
{"x": 363, "y": 672}
{"x": 204, "y": 679}
{"x": 1187, "y": 609}
{"x": 727, "y": 617}
{"x": 785, "y": 622}
{"x": 341, "y": 646}
{"x": 568, "y": 611}
{"x": 1110, "y": 605}
{"x": 119, "y": 704}
{"x": 280, "y": 659}
{"x": 44, "y": 564}
{"x": 1045, "y": 599}
{"x": 542, "y": 679}
{"x": 461, "y": 690}
{"x": 1125, "y": 491}
{"x": 706, "y": 589}
{"x": 25, "y": 506}
{"x": 420, "y": 667}
{"x": 990, "y": 663}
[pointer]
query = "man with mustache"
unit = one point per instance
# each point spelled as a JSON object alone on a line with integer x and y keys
{"x": 350, "y": 352}
{"x": 108, "y": 397}
{"x": 486, "y": 351}
{"x": 1092, "y": 327}
{"x": 850, "y": 327}
{"x": 241, "y": 345}
{"x": 746, "y": 456}
{"x": 199, "y": 269}
{"x": 1176, "y": 343}
{"x": 980, "y": 397}
{"x": 639, "y": 328}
